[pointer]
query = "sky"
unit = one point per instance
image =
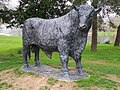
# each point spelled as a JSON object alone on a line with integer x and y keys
{"x": 12, "y": 4}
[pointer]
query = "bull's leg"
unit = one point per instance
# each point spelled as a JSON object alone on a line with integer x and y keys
{"x": 64, "y": 61}
{"x": 63, "y": 49}
{"x": 35, "y": 49}
{"x": 79, "y": 65}
{"x": 37, "y": 63}
{"x": 25, "y": 52}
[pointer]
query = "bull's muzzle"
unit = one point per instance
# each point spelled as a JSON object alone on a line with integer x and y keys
{"x": 82, "y": 26}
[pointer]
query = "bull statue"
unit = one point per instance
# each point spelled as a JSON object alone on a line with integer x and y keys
{"x": 66, "y": 35}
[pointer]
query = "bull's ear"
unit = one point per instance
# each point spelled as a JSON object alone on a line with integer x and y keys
{"x": 75, "y": 7}
{"x": 98, "y": 10}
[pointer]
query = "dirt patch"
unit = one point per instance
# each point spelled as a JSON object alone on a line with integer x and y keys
{"x": 113, "y": 78}
{"x": 31, "y": 82}
{"x": 72, "y": 61}
{"x": 118, "y": 88}
{"x": 72, "y": 67}
{"x": 98, "y": 62}
{"x": 96, "y": 88}
{"x": 89, "y": 70}
{"x": 63, "y": 86}
{"x": 25, "y": 82}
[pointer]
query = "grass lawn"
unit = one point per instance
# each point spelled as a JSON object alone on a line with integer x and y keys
{"x": 103, "y": 65}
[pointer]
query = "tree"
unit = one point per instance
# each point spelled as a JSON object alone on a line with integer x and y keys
{"x": 33, "y": 8}
{"x": 94, "y": 29}
{"x": 50, "y": 9}
{"x": 78, "y": 2}
{"x": 42, "y": 9}
{"x": 94, "y": 34}
{"x": 115, "y": 6}
{"x": 117, "y": 40}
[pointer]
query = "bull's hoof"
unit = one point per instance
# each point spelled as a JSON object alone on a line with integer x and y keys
{"x": 81, "y": 72}
{"x": 26, "y": 67}
{"x": 66, "y": 75}
{"x": 37, "y": 65}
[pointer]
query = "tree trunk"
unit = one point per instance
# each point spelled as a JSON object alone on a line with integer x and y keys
{"x": 117, "y": 40}
{"x": 94, "y": 34}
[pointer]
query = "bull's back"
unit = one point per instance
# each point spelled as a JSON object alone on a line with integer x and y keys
{"x": 44, "y": 32}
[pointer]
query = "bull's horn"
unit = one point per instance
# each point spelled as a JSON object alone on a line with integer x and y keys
{"x": 98, "y": 10}
{"x": 75, "y": 7}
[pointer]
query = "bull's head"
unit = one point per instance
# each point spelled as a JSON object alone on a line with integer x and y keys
{"x": 85, "y": 13}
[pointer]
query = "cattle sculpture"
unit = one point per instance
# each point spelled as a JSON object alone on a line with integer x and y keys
{"x": 66, "y": 35}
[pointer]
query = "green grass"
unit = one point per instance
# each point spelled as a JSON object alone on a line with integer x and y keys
{"x": 5, "y": 85}
{"x": 18, "y": 72}
{"x": 97, "y": 81}
{"x": 104, "y": 33}
{"x": 105, "y": 61}
{"x": 52, "y": 81}
{"x": 10, "y": 52}
{"x": 44, "y": 88}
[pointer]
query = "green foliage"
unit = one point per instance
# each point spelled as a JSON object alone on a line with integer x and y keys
{"x": 34, "y": 8}
{"x": 115, "y": 7}
{"x": 45, "y": 9}
{"x": 95, "y": 3}
{"x": 78, "y": 2}
{"x": 115, "y": 4}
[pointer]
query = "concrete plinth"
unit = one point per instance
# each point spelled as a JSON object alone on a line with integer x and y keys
{"x": 51, "y": 72}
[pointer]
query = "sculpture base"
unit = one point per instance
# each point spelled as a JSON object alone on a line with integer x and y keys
{"x": 51, "y": 72}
